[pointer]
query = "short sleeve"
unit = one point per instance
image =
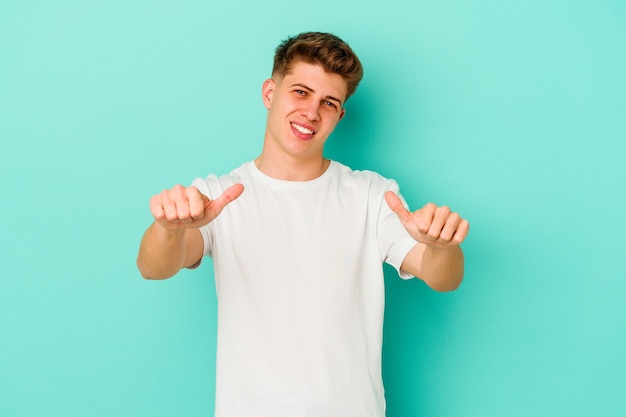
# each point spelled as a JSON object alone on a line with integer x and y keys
{"x": 202, "y": 184}
{"x": 393, "y": 239}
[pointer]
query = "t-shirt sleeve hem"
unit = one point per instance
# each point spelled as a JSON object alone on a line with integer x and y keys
{"x": 399, "y": 253}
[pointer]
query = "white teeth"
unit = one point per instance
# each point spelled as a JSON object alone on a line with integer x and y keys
{"x": 302, "y": 129}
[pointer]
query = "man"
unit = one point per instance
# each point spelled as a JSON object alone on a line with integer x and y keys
{"x": 298, "y": 252}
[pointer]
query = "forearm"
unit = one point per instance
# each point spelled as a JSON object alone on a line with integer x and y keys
{"x": 442, "y": 269}
{"x": 162, "y": 252}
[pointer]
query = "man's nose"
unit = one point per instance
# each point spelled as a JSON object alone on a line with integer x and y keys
{"x": 311, "y": 110}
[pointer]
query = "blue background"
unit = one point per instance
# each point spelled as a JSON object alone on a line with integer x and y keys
{"x": 512, "y": 113}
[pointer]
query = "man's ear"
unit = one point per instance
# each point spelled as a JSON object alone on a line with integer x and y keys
{"x": 268, "y": 92}
{"x": 343, "y": 113}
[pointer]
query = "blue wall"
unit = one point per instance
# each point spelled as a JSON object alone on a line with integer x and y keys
{"x": 513, "y": 113}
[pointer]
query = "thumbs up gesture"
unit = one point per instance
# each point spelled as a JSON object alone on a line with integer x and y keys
{"x": 432, "y": 225}
{"x": 188, "y": 208}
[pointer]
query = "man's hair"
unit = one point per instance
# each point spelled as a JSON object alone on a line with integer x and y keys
{"x": 325, "y": 49}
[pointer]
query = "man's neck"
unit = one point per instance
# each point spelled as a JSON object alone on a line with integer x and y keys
{"x": 292, "y": 169}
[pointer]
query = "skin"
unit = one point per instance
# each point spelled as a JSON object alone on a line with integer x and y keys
{"x": 437, "y": 258}
{"x": 303, "y": 108}
{"x": 305, "y": 98}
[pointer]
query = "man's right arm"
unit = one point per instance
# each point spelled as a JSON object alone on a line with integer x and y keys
{"x": 174, "y": 241}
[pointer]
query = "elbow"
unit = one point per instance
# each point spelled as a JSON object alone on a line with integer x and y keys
{"x": 147, "y": 274}
{"x": 446, "y": 285}
{"x": 153, "y": 277}
{"x": 148, "y": 277}
{"x": 446, "y": 288}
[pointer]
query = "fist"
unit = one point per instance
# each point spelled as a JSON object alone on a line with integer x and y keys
{"x": 182, "y": 207}
{"x": 432, "y": 225}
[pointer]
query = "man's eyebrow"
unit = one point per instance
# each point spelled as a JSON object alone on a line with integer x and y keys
{"x": 306, "y": 87}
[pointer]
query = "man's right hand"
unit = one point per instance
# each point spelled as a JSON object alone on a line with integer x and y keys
{"x": 187, "y": 208}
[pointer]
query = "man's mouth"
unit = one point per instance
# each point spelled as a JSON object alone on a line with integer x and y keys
{"x": 302, "y": 129}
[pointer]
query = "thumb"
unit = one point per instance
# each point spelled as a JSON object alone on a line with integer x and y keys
{"x": 229, "y": 195}
{"x": 395, "y": 204}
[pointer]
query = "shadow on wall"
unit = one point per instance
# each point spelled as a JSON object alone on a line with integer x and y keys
{"x": 356, "y": 137}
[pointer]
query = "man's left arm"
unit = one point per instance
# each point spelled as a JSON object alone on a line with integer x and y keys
{"x": 437, "y": 258}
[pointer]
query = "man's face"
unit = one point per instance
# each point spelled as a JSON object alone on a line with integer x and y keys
{"x": 304, "y": 107}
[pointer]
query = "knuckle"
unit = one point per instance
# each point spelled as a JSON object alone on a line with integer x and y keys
{"x": 155, "y": 201}
{"x": 433, "y": 234}
{"x": 169, "y": 213}
{"x": 196, "y": 212}
{"x": 171, "y": 217}
{"x": 180, "y": 190}
{"x": 192, "y": 191}
{"x": 443, "y": 210}
{"x": 166, "y": 195}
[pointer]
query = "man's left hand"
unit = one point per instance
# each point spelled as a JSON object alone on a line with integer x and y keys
{"x": 432, "y": 225}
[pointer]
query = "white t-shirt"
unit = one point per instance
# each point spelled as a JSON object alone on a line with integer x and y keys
{"x": 299, "y": 278}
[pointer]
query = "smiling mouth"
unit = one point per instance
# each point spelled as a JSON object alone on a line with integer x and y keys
{"x": 302, "y": 129}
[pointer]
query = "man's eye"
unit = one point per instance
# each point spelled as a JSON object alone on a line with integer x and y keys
{"x": 300, "y": 92}
{"x": 330, "y": 104}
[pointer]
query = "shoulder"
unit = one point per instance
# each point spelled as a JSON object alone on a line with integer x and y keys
{"x": 213, "y": 185}
{"x": 371, "y": 179}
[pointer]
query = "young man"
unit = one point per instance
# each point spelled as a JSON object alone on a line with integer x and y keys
{"x": 298, "y": 243}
